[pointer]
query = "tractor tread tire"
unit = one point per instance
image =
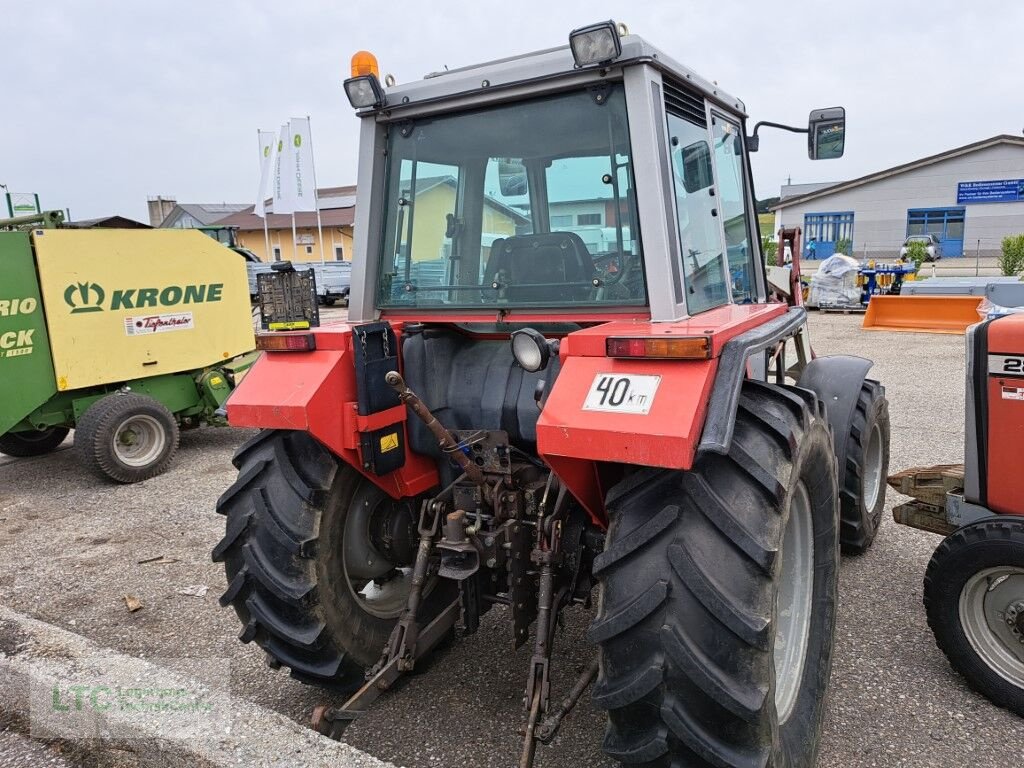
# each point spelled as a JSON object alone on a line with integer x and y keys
{"x": 858, "y": 525}
{"x": 980, "y": 545}
{"x": 684, "y": 622}
{"x": 46, "y": 440}
{"x": 273, "y": 507}
{"x": 94, "y": 434}
{"x": 281, "y": 548}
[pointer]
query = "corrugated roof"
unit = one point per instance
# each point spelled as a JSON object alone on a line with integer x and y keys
{"x": 842, "y": 186}
{"x": 107, "y": 222}
{"x": 329, "y": 217}
{"x": 204, "y": 213}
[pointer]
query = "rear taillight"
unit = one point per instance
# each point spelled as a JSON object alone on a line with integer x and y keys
{"x": 285, "y": 342}
{"x": 690, "y": 347}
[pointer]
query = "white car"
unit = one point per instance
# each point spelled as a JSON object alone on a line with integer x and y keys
{"x": 932, "y": 245}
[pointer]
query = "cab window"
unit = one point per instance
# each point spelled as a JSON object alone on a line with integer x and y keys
{"x": 732, "y": 197}
{"x": 700, "y": 234}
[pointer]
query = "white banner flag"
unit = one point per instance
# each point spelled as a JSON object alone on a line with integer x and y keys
{"x": 284, "y": 180}
{"x": 268, "y": 148}
{"x": 301, "y": 164}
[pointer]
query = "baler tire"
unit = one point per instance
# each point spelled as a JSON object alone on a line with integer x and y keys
{"x": 963, "y": 555}
{"x": 688, "y": 616}
{"x": 866, "y": 470}
{"x": 26, "y": 444}
{"x": 281, "y": 551}
{"x": 98, "y": 429}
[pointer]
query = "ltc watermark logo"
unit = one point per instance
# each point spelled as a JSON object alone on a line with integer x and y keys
{"x": 108, "y": 696}
{"x": 101, "y": 698}
{"x": 84, "y": 297}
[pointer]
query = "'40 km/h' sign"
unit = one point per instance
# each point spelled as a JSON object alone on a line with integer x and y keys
{"x": 622, "y": 393}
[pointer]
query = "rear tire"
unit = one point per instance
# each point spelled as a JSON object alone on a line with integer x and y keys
{"x": 127, "y": 437}
{"x": 694, "y": 595}
{"x": 862, "y": 497}
{"x": 974, "y": 596}
{"x": 35, "y": 443}
{"x": 284, "y": 554}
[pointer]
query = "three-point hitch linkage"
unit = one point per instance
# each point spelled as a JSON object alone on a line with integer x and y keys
{"x": 511, "y": 518}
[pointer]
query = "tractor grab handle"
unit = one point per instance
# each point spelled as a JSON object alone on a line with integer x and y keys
{"x": 444, "y": 438}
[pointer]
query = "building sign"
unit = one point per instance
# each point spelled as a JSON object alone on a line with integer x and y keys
{"x": 1002, "y": 191}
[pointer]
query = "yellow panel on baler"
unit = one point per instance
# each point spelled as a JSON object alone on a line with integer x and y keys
{"x": 124, "y": 304}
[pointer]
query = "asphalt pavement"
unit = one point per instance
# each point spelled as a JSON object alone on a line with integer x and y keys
{"x": 72, "y": 546}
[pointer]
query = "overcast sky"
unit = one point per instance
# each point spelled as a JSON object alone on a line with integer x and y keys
{"x": 106, "y": 103}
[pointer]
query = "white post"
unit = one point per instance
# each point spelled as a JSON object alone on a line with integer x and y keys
{"x": 316, "y": 198}
{"x": 295, "y": 255}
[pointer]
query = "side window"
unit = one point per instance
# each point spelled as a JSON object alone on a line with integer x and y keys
{"x": 427, "y": 195}
{"x": 733, "y": 208}
{"x": 700, "y": 235}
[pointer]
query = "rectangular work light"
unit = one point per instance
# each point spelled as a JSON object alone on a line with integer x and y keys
{"x": 688, "y": 348}
{"x": 364, "y": 91}
{"x": 596, "y": 44}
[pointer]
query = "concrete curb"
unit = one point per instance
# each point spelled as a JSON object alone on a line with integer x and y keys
{"x": 44, "y": 668}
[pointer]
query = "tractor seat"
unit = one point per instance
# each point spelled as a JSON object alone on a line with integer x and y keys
{"x": 535, "y": 268}
{"x": 470, "y": 384}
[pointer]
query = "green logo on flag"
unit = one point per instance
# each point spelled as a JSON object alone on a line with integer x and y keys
{"x": 298, "y": 140}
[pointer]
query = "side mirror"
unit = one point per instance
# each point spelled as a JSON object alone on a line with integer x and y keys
{"x": 826, "y": 133}
{"x": 512, "y": 178}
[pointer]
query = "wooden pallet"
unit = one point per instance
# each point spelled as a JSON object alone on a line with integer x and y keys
{"x": 929, "y": 484}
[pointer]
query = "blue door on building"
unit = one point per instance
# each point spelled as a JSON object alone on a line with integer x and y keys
{"x": 945, "y": 223}
{"x": 828, "y": 231}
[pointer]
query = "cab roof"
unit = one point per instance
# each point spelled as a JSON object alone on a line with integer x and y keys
{"x": 544, "y": 65}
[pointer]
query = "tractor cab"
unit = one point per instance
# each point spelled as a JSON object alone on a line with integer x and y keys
{"x": 555, "y": 187}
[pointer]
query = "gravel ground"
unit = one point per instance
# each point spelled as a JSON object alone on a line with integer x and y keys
{"x": 70, "y": 546}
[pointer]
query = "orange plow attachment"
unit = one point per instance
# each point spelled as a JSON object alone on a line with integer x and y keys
{"x": 922, "y": 314}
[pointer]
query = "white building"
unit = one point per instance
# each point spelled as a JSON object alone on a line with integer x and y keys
{"x": 970, "y": 197}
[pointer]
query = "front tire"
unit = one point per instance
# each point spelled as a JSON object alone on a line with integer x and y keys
{"x": 127, "y": 437}
{"x": 297, "y": 563}
{"x": 862, "y": 497}
{"x": 34, "y": 443}
{"x": 711, "y": 653}
{"x": 974, "y": 596}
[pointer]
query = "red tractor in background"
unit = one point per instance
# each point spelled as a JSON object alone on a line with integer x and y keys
{"x": 974, "y": 585}
{"x": 561, "y": 372}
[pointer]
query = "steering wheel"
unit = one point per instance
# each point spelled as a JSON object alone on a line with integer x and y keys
{"x": 612, "y": 267}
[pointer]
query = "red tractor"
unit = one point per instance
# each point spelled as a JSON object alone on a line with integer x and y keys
{"x": 974, "y": 585}
{"x": 562, "y": 373}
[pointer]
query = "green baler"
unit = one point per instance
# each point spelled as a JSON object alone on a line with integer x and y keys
{"x": 126, "y": 336}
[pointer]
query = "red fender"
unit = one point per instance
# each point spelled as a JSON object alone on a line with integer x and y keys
{"x": 575, "y": 441}
{"x": 316, "y": 392}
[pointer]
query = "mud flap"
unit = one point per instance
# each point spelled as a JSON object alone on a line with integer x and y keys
{"x": 837, "y": 381}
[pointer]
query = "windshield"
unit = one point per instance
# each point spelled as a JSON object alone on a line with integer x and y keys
{"x": 527, "y": 204}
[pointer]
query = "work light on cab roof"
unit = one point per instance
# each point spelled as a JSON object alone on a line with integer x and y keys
{"x": 596, "y": 43}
